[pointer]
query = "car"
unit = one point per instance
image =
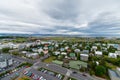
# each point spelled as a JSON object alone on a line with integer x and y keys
{"x": 51, "y": 73}
{"x": 41, "y": 78}
{"x": 29, "y": 74}
{"x": 45, "y": 71}
{"x": 74, "y": 72}
{"x": 42, "y": 70}
{"x": 59, "y": 76}
{"x": 35, "y": 77}
{"x": 84, "y": 75}
{"x": 32, "y": 75}
{"x": 25, "y": 72}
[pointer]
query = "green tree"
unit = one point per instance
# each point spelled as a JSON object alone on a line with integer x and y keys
{"x": 5, "y": 50}
{"x": 100, "y": 70}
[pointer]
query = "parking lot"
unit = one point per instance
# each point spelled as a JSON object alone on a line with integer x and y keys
{"x": 44, "y": 74}
{"x": 15, "y": 64}
{"x": 51, "y": 73}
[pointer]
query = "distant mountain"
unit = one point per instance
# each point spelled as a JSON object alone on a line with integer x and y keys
{"x": 52, "y": 35}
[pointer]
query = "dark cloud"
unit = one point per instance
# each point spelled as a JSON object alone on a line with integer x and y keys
{"x": 86, "y": 17}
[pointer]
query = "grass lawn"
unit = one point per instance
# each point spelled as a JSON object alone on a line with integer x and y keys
{"x": 24, "y": 78}
{"x": 77, "y": 64}
{"x": 50, "y": 59}
{"x": 57, "y": 62}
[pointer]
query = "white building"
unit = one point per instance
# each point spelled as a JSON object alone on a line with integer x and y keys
{"x": 94, "y": 48}
{"x": 117, "y": 52}
{"x": 84, "y": 57}
{"x": 63, "y": 53}
{"x": 77, "y": 50}
{"x": 5, "y": 60}
{"x": 56, "y": 52}
{"x": 98, "y": 53}
{"x": 112, "y": 55}
{"x": 33, "y": 55}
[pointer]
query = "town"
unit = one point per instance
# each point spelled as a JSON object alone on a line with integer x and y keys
{"x": 59, "y": 58}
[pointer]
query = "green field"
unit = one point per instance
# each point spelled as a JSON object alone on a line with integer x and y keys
{"x": 50, "y": 59}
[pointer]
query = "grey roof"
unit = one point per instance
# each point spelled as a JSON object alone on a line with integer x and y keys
{"x": 4, "y": 57}
{"x": 85, "y": 51}
{"x": 114, "y": 73}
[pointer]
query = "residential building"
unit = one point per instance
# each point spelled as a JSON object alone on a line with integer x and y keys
{"x": 114, "y": 74}
{"x": 112, "y": 55}
{"x": 84, "y": 57}
{"x": 5, "y": 60}
{"x": 98, "y": 53}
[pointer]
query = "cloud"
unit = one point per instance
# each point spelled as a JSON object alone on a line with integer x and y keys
{"x": 86, "y": 17}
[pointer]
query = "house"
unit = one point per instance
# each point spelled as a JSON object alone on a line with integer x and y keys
{"x": 45, "y": 52}
{"x": 98, "y": 53}
{"x": 85, "y": 52}
{"x": 110, "y": 45}
{"x": 77, "y": 50}
{"x": 24, "y": 52}
{"x": 34, "y": 49}
{"x": 56, "y": 45}
{"x": 56, "y": 52}
{"x": 63, "y": 53}
{"x": 5, "y": 60}
{"x": 72, "y": 56}
{"x": 45, "y": 48}
{"x": 40, "y": 50}
{"x": 112, "y": 55}
{"x": 117, "y": 52}
{"x": 66, "y": 47}
{"x": 62, "y": 49}
{"x": 68, "y": 50}
{"x": 21, "y": 46}
{"x": 114, "y": 74}
{"x": 94, "y": 48}
{"x": 38, "y": 42}
{"x": 33, "y": 55}
{"x": 84, "y": 57}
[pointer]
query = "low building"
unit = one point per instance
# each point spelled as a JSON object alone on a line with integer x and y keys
{"x": 5, "y": 60}
{"x": 85, "y": 52}
{"x": 72, "y": 56}
{"x": 98, "y": 53}
{"x": 114, "y": 74}
{"x": 117, "y": 52}
{"x": 77, "y": 50}
{"x": 94, "y": 48}
{"x": 63, "y": 53}
{"x": 33, "y": 55}
{"x": 56, "y": 53}
{"x": 112, "y": 55}
{"x": 84, "y": 57}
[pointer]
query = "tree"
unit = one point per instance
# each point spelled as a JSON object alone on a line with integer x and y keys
{"x": 5, "y": 50}
{"x": 100, "y": 70}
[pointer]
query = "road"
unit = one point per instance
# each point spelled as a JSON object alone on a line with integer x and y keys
{"x": 56, "y": 68}
{"x": 13, "y": 74}
{"x": 62, "y": 70}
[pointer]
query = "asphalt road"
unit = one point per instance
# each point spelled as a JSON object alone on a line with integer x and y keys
{"x": 63, "y": 71}
{"x": 56, "y": 68}
{"x": 13, "y": 74}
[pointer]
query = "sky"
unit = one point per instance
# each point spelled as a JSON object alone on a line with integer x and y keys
{"x": 73, "y": 17}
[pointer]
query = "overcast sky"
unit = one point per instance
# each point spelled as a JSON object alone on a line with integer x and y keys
{"x": 101, "y": 17}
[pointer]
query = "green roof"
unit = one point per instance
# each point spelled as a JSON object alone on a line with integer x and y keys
{"x": 77, "y": 64}
{"x": 57, "y": 62}
{"x": 72, "y": 54}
